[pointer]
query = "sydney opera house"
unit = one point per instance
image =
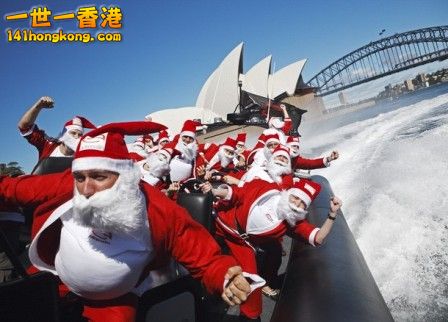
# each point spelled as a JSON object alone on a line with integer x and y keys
{"x": 229, "y": 89}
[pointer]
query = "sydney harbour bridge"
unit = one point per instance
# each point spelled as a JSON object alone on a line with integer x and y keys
{"x": 383, "y": 57}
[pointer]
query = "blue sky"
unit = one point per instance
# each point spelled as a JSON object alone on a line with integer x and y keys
{"x": 169, "y": 49}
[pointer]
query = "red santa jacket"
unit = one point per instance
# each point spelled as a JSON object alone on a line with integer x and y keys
{"x": 43, "y": 143}
{"x": 307, "y": 164}
{"x": 173, "y": 232}
{"x": 244, "y": 199}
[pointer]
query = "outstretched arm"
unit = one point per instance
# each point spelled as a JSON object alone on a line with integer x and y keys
{"x": 29, "y": 118}
{"x": 335, "y": 205}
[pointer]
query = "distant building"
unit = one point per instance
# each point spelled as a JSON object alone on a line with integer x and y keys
{"x": 342, "y": 98}
{"x": 409, "y": 85}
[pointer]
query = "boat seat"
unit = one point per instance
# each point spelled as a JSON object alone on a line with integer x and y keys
{"x": 200, "y": 207}
{"x": 52, "y": 165}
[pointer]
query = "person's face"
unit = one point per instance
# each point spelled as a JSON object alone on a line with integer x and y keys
{"x": 297, "y": 202}
{"x": 162, "y": 157}
{"x": 240, "y": 147}
{"x": 282, "y": 159}
{"x": 272, "y": 145}
{"x": 229, "y": 153}
{"x": 75, "y": 133}
{"x": 149, "y": 144}
{"x": 241, "y": 162}
{"x": 295, "y": 148}
{"x": 162, "y": 143}
{"x": 89, "y": 182}
{"x": 187, "y": 139}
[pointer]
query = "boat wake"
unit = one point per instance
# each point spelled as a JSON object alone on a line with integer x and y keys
{"x": 392, "y": 176}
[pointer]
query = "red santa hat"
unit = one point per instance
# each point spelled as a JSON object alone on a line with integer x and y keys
{"x": 169, "y": 150}
{"x": 163, "y": 136}
{"x": 147, "y": 138}
{"x": 272, "y": 138}
{"x": 189, "y": 128}
{"x": 229, "y": 144}
{"x": 306, "y": 190}
{"x": 261, "y": 138}
{"x": 79, "y": 123}
{"x": 105, "y": 148}
{"x": 292, "y": 141}
{"x": 281, "y": 150}
{"x": 141, "y": 141}
{"x": 241, "y": 138}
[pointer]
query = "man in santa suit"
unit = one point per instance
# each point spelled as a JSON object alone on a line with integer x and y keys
{"x": 182, "y": 166}
{"x": 299, "y": 162}
{"x": 141, "y": 147}
{"x": 156, "y": 166}
{"x": 65, "y": 145}
{"x": 263, "y": 154}
{"x": 263, "y": 212}
{"x": 104, "y": 231}
{"x": 241, "y": 142}
{"x": 217, "y": 158}
{"x": 163, "y": 138}
{"x": 282, "y": 127}
{"x": 275, "y": 170}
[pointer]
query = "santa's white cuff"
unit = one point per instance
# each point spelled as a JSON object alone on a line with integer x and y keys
{"x": 28, "y": 132}
{"x": 312, "y": 237}
{"x": 255, "y": 281}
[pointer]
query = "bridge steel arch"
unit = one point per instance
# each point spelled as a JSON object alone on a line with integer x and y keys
{"x": 383, "y": 57}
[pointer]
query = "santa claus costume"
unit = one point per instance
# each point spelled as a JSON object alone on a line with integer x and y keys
{"x": 300, "y": 163}
{"x": 46, "y": 146}
{"x": 182, "y": 166}
{"x": 156, "y": 167}
{"x": 98, "y": 253}
{"x": 217, "y": 157}
{"x": 273, "y": 170}
{"x": 261, "y": 213}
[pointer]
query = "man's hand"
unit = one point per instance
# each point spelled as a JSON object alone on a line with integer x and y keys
{"x": 237, "y": 289}
{"x": 200, "y": 171}
{"x": 335, "y": 205}
{"x": 206, "y": 187}
{"x": 333, "y": 156}
{"x": 44, "y": 102}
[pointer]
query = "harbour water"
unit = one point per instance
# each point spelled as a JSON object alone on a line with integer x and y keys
{"x": 393, "y": 178}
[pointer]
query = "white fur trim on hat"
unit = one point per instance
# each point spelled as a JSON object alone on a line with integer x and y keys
{"x": 102, "y": 163}
{"x": 272, "y": 139}
{"x": 300, "y": 194}
{"x": 283, "y": 153}
{"x": 188, "y": 133}
{"x": 74, "y": 127}
{"x": 165, "y": 152}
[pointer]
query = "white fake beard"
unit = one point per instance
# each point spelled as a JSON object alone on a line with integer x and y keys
{"x": 294, "y": 151}
{"x": 119, "y": 209}
{"x": 267, "y": 153}
{"x": 289, "y": 212}
{"x": 188, "y": 151}
{"x": 276, "y": 169}
{"x": 158, "y": 168}
{"x": 224, "y": 159}
{"x": 69, "y": 141}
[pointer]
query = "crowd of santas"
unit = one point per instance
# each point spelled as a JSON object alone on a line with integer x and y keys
{"x": 258, "y": 199}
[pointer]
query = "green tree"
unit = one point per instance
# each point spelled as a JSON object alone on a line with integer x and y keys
{"x": 11, "y": 169}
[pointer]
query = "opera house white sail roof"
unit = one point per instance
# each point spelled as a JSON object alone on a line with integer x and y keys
{"x": 220, "y": 93}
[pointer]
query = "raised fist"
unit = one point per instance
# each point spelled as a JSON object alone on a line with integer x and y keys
{"x": 44, "y": 102}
